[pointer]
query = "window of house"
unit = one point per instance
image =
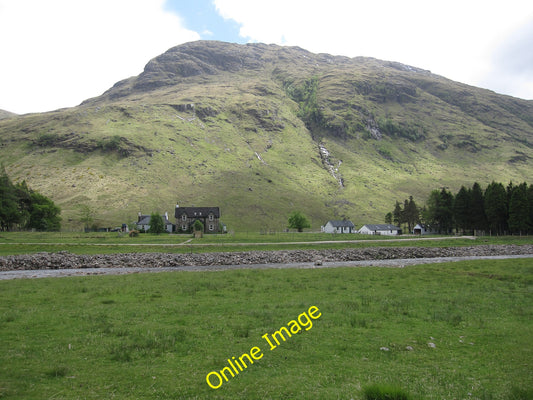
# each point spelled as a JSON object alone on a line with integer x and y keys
{"x": 211, "y": 227}
{"x": 211, "y": 217}
{"x": 184, "y": 217}
{"x": 184, "y": 227}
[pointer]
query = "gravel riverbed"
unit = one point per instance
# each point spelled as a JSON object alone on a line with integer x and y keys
{"x": 67, "y": 264}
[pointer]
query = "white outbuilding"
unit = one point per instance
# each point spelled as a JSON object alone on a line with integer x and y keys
{"x": 380, "y": 229}
{"x": 343, "y": 226}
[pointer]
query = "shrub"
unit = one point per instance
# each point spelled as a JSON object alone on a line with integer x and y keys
{"x": 198, "y": 226}
{"x": 47, "y": 139}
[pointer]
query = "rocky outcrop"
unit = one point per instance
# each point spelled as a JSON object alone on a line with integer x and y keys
{"x": 330, "y": 167}
{"x": 66, "y": 260}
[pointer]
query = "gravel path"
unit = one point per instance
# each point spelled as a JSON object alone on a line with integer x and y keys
{"x": 397, "y": 263}
{"x": 59, "y": 264}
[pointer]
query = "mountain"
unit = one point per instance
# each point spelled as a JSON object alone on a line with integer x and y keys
{"x": 262, "y": 130}
{"x": 6, "y": 114}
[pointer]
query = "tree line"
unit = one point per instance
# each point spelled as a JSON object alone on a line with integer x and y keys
{"x": 24, "y": 208}
{"x": 496, "y": 210}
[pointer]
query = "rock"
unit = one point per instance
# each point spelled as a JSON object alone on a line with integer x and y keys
{"x": 66, "y": 260}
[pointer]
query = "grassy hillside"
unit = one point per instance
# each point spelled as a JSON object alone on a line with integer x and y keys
{"x": 261, "y": 131}
{"x": 6, "y": 114}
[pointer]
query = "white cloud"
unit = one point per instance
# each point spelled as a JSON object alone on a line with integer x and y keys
{"x": 57, "y": 53}
{"x": 511, "y": 68}
{"x": 454, "y": 38}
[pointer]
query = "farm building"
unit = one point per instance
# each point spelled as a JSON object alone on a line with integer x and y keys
{"x": 380, "y": 229}
{"x": 143, "y": 223}
{"x": 343, "y": 226}
{"x": 421, "y": 229}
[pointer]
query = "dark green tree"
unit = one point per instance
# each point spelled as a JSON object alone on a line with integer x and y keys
{"x": 24, "y": 199}
{"x": 477, "y": 208}
{"x": 461, "y": 209}
{"x": 44, "y": 215}
{"x": 530, "y": 206}
{"x": 440, "y": 210}
{"x": 496, "y": 208}
{"x": 411, "y": 214}
{"x": 298, "y": 221}
{"x": 156, "y": 224}
{"x": 9, "y": 208}
{"x": 397, "y": 214}
{"x": 519, "y": 209}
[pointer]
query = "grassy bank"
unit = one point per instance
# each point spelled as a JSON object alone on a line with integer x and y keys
{"x": 443, "y": 331}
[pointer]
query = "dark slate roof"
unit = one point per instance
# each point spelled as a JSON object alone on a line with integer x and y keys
{"x": 145, "y": 220}
{"x": 382, "y": 227}
{"x": 193, "y": 212}
{"x": 342, "y": 224}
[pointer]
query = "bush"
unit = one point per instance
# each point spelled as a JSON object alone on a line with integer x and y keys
{"x": 198, "y": 226}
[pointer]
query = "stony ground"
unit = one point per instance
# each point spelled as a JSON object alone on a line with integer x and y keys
{"x": 66, "y": 260}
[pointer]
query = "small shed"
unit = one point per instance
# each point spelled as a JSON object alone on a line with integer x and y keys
{"x": 421, "y": 229}
{"x": 380, "y": 229}
{"x": 343, "y": 226}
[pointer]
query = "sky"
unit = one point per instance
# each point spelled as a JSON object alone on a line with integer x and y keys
{"x": 57, "y": 53}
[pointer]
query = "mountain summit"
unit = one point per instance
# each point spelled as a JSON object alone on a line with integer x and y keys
{"x": 262, "y": 130}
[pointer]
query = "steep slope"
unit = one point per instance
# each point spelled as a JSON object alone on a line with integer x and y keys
{"x": 261, "y": 130}
{"x": 6, "y": 114}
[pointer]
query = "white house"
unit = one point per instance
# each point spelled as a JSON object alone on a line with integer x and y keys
{"x": 421, "y": 229}
{"x": 143, "y": 223}
{"x": 380, "y": 229}
{"x": 343, "y": 226}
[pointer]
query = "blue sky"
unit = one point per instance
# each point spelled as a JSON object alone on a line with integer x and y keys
{"x": 202, "y": 17}
{"x": 57, "y": 53}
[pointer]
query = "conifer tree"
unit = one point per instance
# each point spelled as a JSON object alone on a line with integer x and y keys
{"x": 397, "y": 214}
{"x": 519, "y": 210}
{"x": 477, "y": 208}
{"x": 461, "y": 209}
{"x": 496, "y": 208}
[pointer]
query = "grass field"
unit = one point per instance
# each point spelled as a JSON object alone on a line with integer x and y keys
{"x": 443, "y": 331}
{"x": 99, "y": 243}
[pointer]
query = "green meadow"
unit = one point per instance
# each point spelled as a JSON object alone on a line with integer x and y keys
{"x": 441, "y": 331}
{"x": 111, "y": 242}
